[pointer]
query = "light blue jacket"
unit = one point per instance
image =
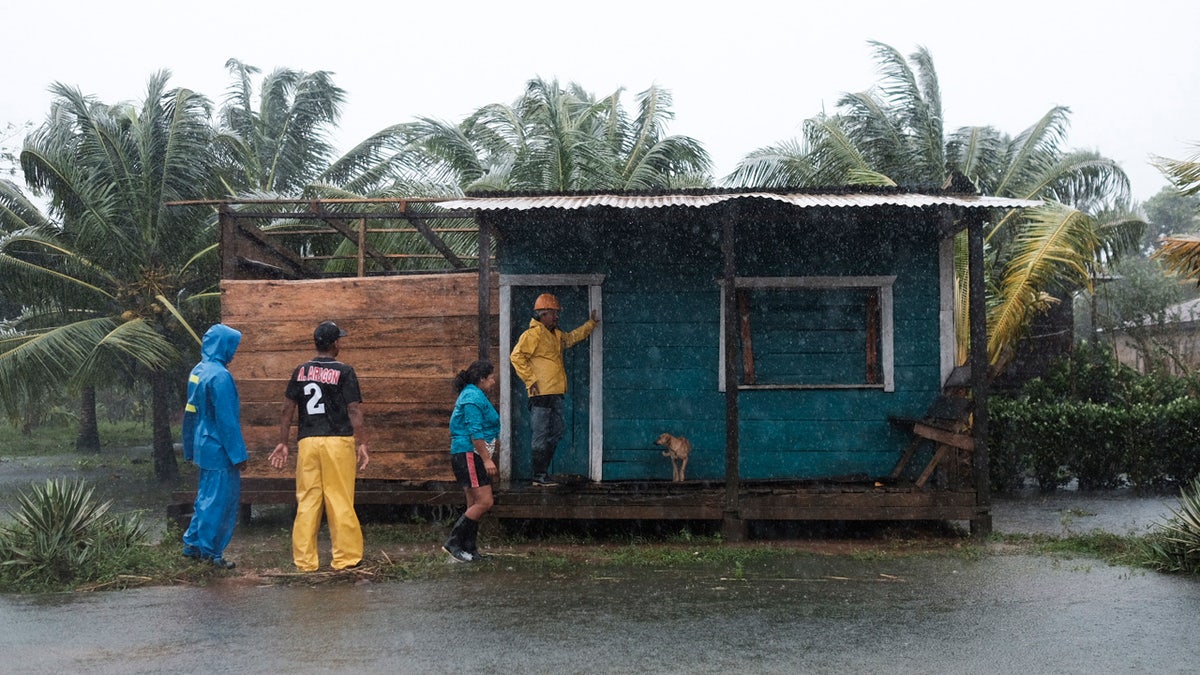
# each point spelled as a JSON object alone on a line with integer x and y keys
{"x": 474, "y": 417}
{"x": 212, "y": 428}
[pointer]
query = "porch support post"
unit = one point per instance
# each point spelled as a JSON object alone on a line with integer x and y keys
{"x": 981, "y": 525}
{"x": 732, "y": 526}
{"x": 227, "y": 244}
{"x": 485, "y": 285}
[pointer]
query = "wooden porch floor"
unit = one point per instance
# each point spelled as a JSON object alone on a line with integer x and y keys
{"x": 657, "y": 500}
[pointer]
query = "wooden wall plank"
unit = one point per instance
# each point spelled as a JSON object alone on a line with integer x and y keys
{"x": 408, "y": 336}
{"x": 412, "y": 466}
{"x": 362, "y": 298}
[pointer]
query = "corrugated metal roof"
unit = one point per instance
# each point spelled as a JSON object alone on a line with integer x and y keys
{"x": 803, "y": 200}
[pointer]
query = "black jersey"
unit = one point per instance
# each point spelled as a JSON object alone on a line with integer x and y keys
{"x": 323, "y": 388}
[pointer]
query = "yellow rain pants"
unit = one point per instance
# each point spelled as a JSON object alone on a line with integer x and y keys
{"x": 325, "y": 470}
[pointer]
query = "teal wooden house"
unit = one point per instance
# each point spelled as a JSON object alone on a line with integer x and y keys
{"x": 787, "y": 334}
{"x": 803, "y": 341}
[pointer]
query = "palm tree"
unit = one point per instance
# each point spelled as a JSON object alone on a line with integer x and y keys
{"x": 893, "y": 135}
{"x": 104, "y": 283}
{"x": 558, "y": 139}
{"x": 274, "y": 144}
{"x": 281, "y": 146}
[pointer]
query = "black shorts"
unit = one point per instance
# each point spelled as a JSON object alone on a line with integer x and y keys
{"x": 469, "y": 470}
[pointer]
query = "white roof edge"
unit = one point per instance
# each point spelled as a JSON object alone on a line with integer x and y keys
{"x": 849, "y": 200}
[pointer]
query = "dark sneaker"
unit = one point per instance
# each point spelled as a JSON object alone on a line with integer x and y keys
{"x": 222, "y": 563}
{"x": 543, "y": 480}
{"x": 193, "y": 553}
{"x": 458, "y": 555}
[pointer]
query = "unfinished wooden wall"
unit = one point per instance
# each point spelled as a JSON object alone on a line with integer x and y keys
{"x": 408, "y": 336}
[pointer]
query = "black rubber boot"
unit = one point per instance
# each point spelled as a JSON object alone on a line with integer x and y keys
{"x": 454, "y": 545}
{"x": 469, "y": 544}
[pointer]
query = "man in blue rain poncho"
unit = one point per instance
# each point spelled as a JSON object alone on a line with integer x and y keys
{"x": 212, "y": 439}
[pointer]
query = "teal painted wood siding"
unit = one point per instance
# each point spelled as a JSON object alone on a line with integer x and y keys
{"x": 661, "y": 339}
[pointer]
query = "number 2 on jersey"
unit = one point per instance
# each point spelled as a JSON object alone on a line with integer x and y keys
{"x": 314, "y": 406}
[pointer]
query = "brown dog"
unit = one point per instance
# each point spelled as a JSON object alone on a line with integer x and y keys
{"x": 678, "y": 449}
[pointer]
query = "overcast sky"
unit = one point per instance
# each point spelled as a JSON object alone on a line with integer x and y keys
{"x": 743, "y": 74}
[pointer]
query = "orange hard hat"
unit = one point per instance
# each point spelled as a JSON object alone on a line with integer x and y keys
{"x": 546, "y": 301}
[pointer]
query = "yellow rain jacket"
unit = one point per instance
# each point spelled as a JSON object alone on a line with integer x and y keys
{"x": 537, "y": 358}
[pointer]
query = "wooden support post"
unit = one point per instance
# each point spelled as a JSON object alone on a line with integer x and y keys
{"x": 362, "y": 247}
{"x": 733, "y": 528}
{"x": 731, "y": 520}
{"x": 485, "y": 285}
{"x": 981, "y": 526}
{"x": 225, "y": 241}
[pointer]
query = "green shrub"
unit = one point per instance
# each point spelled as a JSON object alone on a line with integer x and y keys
{"x": 1008, "y": 456}
{"x": 1089, "y": 373}
{"x": 62, "y": 536}
{"x": 1097, "y": 421}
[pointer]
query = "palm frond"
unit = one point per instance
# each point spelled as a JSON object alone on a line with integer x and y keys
{"x": 17, "y": 212}
{"x": 924, "y": 119}
{"x": 962, "y": 298}
{"x": 1184, "y": 174}
{"x": 668, "y": 157}
{"x": 1119, "y": 233}
{"x": 286, "y": 137}
{"x": 66, "y": 352}
{"x": 443, "y": 152}
{"x": 134, "y": 340}
{"x": 370, "y": 165}
{"x": 36, "y": 265}
{"x": 1084, "y": 180}
{"x": 1181, "y": 255}
{"x": 977, "y": 153}
{"x": 1055, "y": 248}
{"x": 876, "y": 135}
{"x": 174, "y": 311}
{"x": 782, "y": 165}
{"x": 1031, "y": 154}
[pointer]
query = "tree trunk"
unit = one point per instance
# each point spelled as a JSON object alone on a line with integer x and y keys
{"x": 166, "y": 469}
{"x": 88, "y": 440}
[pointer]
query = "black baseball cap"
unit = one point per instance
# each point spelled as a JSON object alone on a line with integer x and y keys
{"x": 327, "y": 333}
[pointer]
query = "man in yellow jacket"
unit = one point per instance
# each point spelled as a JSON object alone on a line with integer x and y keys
{"x": 538, "y": 361}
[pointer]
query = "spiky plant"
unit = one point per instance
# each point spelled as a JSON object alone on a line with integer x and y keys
{"x": 61, "y": 532}
{"x": 1175, "y": 545}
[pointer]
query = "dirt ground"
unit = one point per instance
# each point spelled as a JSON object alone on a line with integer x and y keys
{"x": 125, "y": 476}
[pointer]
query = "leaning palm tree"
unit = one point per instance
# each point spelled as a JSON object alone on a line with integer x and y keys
{"x": 893, "y": 135}
{"x": 105, "y": 281}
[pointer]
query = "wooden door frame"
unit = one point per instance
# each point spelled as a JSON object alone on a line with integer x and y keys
{"x": 595, "y": 366}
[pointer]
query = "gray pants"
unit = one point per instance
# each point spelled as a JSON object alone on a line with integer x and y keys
{"x": 546, "y": 420}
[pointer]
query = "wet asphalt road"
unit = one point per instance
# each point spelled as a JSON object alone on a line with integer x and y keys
{"x": 810, "y": 614}
{"x": 814, "y": 614}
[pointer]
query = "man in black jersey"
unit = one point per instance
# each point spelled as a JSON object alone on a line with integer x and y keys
{"x": 326, "y": 393}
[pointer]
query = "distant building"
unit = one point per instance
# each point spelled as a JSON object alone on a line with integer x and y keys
{"x": 1173, "y": 345}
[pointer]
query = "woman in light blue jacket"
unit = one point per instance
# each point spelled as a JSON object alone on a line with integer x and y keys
{"x": 474, "y": 426}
